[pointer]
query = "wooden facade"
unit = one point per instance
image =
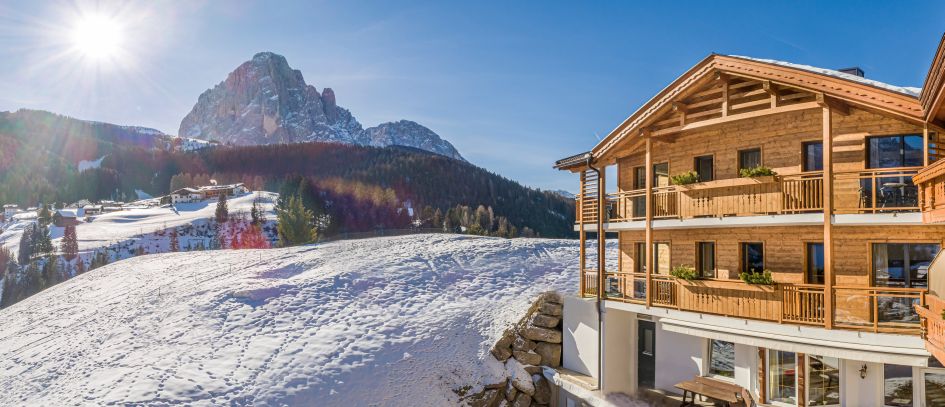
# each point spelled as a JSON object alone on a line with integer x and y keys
{"x": 729, "y": 111}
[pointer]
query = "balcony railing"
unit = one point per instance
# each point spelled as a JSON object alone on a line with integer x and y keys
{"x": 934, "y": 326}
{"x": 931, "y": 182}
{"x": 876, "y": 309}
{"x": 869, "y": 191}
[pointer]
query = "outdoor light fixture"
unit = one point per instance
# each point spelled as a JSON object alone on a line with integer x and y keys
{"x": 863, "y": 371}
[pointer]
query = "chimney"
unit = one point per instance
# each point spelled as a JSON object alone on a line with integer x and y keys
{"x": 853, "y": 71}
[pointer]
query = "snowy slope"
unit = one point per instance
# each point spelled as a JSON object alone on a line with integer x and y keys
{"x": 113, "y": 227}
{"x": 388, "y": 321}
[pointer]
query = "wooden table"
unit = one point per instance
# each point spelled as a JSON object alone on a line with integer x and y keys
{"x": 691, "y": 389}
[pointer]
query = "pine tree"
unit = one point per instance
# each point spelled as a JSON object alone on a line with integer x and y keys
{"x": 294, "y": 224}
{"x": 255, "y": 213}
{"x": 44, "y": 217}
{"x": 174, "y": 244}
{"x": 42, "y": 244}
{"x": 25, "y": 252}
{"x": 70, "y": 244}
{"x": 79, "y": 267}
{"x": 222, "y": 213}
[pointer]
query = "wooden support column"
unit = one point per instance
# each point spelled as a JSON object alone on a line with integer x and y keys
{"x": 582, "y": 234}
{"x": 925, "y": 145}
{"x": 601, "y": 236}
{"x": 762, "y": 377}
{"x": 828, "y": 217}
{"x": 649, "y": 261}
{"x": 801, "y": 369}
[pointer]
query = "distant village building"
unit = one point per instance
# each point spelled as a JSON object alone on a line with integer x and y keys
{"x": 203, "y": 193}
{"x": 9, "y": 210}
{"x": 66, "y": 217}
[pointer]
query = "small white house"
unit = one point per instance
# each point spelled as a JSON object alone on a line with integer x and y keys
{"x": 185, "y": 195}
{"x": 9, "y": 210}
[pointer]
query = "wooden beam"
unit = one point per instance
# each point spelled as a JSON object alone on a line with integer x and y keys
{"x": 836, "y": 105}
{"x": 724, "y": 96}
{"x": 762, "y": 376}
{"x": 925, "y": 145}
{"x": 648, "y": 238}
{"x": 828, "y": 216}
{"x": 801, "y": 369}
{"x": 736, "y": 117}
{"x": 772, "y": 90}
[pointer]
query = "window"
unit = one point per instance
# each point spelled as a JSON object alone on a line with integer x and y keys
{"x": 705, "y": 260}
{"x": 902, "y": 264}
{"x": 705, "y": 169}
{"x": 639, "y": 266}
{"x": 661, "y": 175}
{"x": 782, "y": 377}
{"x": 823, "y": 383}
{"x": 894, "y": 151}
{"x": 639, "y": 178}
{"x": 661, "y": 256}
{"x": 721, "y": 358}
{"x": 749, "y": 158}
{"x": 813, "y": 153}
{"x": 897, "y": 385}
{"x": 934, "y": 388}
{"x": 753, "y": 257}
{"x": 815, "y": 263}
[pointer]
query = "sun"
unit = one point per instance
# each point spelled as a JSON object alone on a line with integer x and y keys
{"x": 97, "y": 37}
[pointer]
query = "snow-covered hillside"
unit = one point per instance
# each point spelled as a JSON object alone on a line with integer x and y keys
{"x": 387, "y": 321}
{"x": 110, "y": 228}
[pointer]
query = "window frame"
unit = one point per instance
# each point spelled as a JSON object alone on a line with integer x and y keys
{"x": 867, "y": 149}
{"x": 870, "y": 259}
{"x": 738, "y": 158}
{"x": 695, "y": 166}
{"x": 715, "y": 258}
{"x": 636, "y": 177}
{"x": 840, "y": 369}
{"x": 807, "y": 261}
{"x": 669, "y": 259}
{"x": 655, "y": 182}
{"x": 708, "y": 361}
{"x": 769, "y": 382}
{"x": 744, "y": 253}
{"x": 804, "y": 154}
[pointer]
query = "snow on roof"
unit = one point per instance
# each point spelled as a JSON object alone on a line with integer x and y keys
{"x": 385, "y": 321}
{"x": 11, "y": 206}
{"x": 218, "y": 187}
{"x": 68, "y": 213}
{"x": 905, "y": 90}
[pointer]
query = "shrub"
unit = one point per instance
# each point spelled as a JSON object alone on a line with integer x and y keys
{"x": 759, "y": 171}
{"x": 757, "y": 278}
{"x": 688, "y": 177}
{"x": 684, "y": 272}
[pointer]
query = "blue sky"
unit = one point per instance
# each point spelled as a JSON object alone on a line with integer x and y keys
{"x": 514, "y": 85}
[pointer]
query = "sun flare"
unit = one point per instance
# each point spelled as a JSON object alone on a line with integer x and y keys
{"x": 97, "y": 36}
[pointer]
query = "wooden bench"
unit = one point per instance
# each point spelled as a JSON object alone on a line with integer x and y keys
{"x": 720, "y": 391}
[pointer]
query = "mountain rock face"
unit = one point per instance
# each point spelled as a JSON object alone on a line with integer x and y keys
{"x": 265, "y": 101}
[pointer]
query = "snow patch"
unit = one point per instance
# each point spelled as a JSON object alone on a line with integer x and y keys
{"x": 88, "y": 165}
{"x": 906, "y": 90}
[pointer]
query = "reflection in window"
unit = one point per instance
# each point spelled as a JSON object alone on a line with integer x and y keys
{"x": 815, "y": 263}
{"x": 935, "y": 389}
{"x": 897, "y": 385}
{"x": 661, "y": 255}
{"x": 753, "y": 257}
{"x": 721, "y": 358}
{"x": 823, "y": 383}
{"x": 661, "y": 175}
{"x": 902, "y": 264}
{"x": 813, "y": 156}
{"x": 782, "y": 377}
{"x": 705, "y": 263}
{"x": 704, "y": 168}
{"x": 749, "y": 158}
{"x": 895, "y": 151}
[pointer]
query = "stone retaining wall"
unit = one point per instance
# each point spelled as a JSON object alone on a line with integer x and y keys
{"x": 533, "y": 342}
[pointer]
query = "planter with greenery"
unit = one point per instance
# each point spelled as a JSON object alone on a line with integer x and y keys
{"x": 755, "y": 277}
{"x": 686, "y": 178}
{"x": 754, "y": 172}
{"x": 684, "y": 272}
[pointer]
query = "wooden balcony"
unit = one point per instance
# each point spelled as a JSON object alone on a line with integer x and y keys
{"x": 933, "y": 326}
{"x": 867, "y": 191}
{"x": 874, "y": 309}
{"x": 931, "y": 183}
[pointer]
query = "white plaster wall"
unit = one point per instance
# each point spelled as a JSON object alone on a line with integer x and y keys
{"x": 579, "y": 340}
{"x": 861, "y": 392}
{"x": 678, "y": 357}
{"x": 619, "y": 364}
{"x": 746, "y": 367}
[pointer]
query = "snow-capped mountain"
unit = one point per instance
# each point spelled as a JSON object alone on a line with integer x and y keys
{"x": 265, "y": 101}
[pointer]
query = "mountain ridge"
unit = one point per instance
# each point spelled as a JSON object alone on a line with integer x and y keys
{"x": 265, "y": 101}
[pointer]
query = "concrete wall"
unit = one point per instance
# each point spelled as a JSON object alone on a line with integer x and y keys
{"x": 861, "y": 392}
{"x": 619, "y": 369}
{"x": 579, "y": 341}
{"x": 678, "y": 357}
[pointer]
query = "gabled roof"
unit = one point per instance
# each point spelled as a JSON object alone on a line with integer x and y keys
{"x": 891, "y": 99}
{"x": 933, "y": 95}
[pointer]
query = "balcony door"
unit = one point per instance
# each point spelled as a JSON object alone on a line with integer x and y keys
{"x": 894, "y": 191}
{"x": 901, "y": 265}
{"x": 646, "y": 354}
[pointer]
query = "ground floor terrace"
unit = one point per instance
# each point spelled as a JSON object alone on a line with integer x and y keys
{"x": 880, "y": 273}
{"x": 653, "y": 349}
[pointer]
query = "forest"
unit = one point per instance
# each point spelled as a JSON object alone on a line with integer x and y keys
{"x": 354, "y": 188}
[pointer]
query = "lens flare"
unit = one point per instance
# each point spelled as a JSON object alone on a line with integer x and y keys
{"x": 97, "y": 36}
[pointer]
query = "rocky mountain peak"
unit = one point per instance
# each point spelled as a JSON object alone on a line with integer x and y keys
{"x": 265, "y": 101}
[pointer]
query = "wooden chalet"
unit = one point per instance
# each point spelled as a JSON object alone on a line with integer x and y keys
{"x": 833, "y": 182}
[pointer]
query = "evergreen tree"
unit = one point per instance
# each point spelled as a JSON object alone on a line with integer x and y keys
{"x": 174, "y": 243}
{"x": 294, "y": 224}
{"x": 79, "y": 267}
{"x": 222, "y": 213}
{"x": 25, "y": 253}
{"x": 70, "y": 244}
{"x": 42, "y": 244}
{"x": 44, "y": 217}
{"x": 255, "y": 213}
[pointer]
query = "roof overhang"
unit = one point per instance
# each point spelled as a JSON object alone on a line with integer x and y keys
{"x": 855, "y": 93}
{"x": 933, "y": 95}
{"x": 575, "y": 162}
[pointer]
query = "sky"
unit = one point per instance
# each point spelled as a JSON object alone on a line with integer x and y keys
{"x": 513, "y": 85}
